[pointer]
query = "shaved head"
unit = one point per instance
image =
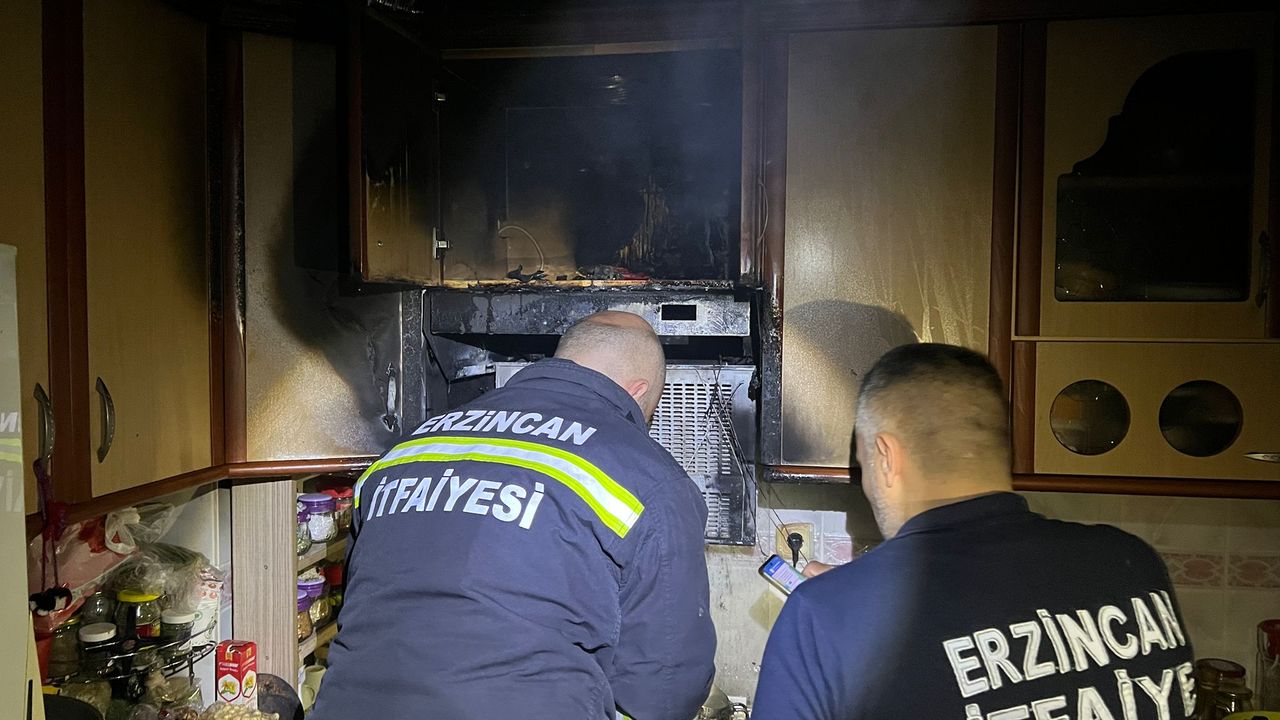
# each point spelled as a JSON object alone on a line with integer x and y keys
{"x": 931, "y": 424}
{"x": 623, "y": 347}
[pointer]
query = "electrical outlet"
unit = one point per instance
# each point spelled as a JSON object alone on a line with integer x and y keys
{"x": 806, "y": 531}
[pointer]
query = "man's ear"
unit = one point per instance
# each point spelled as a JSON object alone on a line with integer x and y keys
{"x": 637, "y": 390}
{"x": 888, "y": 457}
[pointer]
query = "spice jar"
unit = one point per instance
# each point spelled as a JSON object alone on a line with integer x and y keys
{"x": 305, "y": 626}
{"x": 175, "y": 635}
{"x": 321, "y": 523}
{"x": 1211, "y": 675}
{"x": 98, "y": 649}
{"x": 1233, "y": 699}
{"x": 304, "y": 532}
{"x": 98, "y": 608}
{"x": 138, "y": 615}
{"x": 64, "y": 650}
{"x": 343, "y": 502}
{"x": 314, "y": 586}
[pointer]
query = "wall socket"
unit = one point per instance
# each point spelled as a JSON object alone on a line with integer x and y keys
{"x": 806, "y": 531}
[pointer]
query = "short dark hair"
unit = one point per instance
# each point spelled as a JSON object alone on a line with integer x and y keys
{"x": 945, "y": 403}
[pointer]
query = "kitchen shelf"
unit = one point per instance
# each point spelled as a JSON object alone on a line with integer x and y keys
{"x": 334, "y": 551}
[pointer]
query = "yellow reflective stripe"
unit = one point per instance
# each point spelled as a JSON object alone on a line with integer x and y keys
{"x": 14, "y": 442}
{"x": 11, "y": 457}
{"x": 613, "y": 504}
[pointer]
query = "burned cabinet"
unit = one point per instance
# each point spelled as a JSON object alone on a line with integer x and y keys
{"x": 1156, "y": 182}
{"x": 393, "y": 165}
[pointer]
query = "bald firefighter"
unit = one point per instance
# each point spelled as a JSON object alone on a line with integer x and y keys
{"x": 533, "y": 553}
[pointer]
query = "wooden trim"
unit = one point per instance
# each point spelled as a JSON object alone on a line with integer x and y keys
{"x": 142, "y": 493}
{"x": 1022, "y": 407}
{"x": 232, "y": 248}
{"x": 1004, "y": 199}
{"x": 749, "y": 224}
{"x": 215, "y": 134}
{"x": 1273, "y": 188}
{"x": 1106, "y": 485}
{"x": 298, "y": 467}
{"x": 589, "y": 49}
{"x": 63, "y": 57}
{"x": 551, "y": 24}
{"x": 350, "y": 68}
{"x": 774, "y": 169}
{"x": 262, "y": 553}
{"x": 1031, "y": 171}
{"x": 846, "y": 15}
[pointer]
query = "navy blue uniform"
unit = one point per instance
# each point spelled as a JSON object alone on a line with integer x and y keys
{"x": 983, "y": 610}
{"x": 533, "y": 554}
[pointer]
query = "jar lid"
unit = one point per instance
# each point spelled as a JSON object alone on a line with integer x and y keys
{"x": 334, "y": 573}
{"x": 304, "y": 601}
{"x": 136, "y": 596}
{"x": 1225, "y": 668}
{"x": 71, "y": 622}
{"x": 177, "y": 617}
{"x": 316, "y": 502}
{"x": 1269, "y": 629}
{"x": 346, "y": 492}
{"x": 303, "y": 516}
{"x": 97, "y": 632}
{"x": 310, "y": 581}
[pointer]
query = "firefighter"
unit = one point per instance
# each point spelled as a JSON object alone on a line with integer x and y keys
{"x": 533, "y": 553}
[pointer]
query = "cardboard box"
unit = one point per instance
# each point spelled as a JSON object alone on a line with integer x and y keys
{"x": 237, "y": 672}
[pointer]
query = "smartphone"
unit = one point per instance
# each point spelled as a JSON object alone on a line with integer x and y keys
{"x": 780, "y": 574}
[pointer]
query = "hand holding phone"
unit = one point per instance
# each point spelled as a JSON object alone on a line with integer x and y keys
{"x": 781, "y": 575}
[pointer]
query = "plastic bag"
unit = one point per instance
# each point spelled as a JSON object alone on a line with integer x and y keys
{"x": 129, "y": 528}
{"x": 96, "y": 693}
{"x": 223, "y": 711}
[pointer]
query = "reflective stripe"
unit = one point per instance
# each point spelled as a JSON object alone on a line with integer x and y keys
{"x": 616, "y": 507}
{"x": 16, "y": 442}
{"x": 11, "y": 457}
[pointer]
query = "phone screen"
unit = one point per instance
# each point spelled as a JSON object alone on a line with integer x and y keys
{"x": 781, "y": 574}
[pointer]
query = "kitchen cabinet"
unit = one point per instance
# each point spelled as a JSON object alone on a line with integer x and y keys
{"x": 392, "y": 154}
{"x": 22, "y": 207}
{"x": 147, "y": 271}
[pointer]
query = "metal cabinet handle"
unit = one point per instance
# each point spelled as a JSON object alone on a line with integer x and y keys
{"x": 1264, "y": 282}
{"x": 47, "y": 430}
{"x": 108, "y": 420}
{"x": 1271, "y": 457}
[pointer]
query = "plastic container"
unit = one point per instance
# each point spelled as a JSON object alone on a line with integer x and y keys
{"x": 304, "y": 532}
{"x": 97, "y": 649}
{"x": 64, "y": 650}
{"x": 175, "y": 635}
{"x": 138, "y": 615}
{"x": 321, "y": 521}
{"x": 305, "y": 626}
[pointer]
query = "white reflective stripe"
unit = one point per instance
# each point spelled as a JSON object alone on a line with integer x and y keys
{"x": 598, "y": 492}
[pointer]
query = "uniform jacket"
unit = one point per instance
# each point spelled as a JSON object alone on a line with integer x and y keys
{"x": 984, "y": 610}
{"x": 534, "y": 553}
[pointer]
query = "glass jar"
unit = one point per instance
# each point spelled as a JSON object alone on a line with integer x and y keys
{"x": 1266, "y": 676}
{"x": 138, "y": 615}
{"x": 98, "y": 649}
{"x": 1234, "y": 699}
{"x": 1213, "y": 674}
{"x": 343, "y": 502}
{"x": 321, "y": 523}
{"x": 98, "y": 608}
{"x": 315, "y": 588}
{"x": 175, "y": 635}
{"x": 64, "y": 650}
{"x": 305, "y": 626}
{"x": 321, "y": 610}
{"x": 304, "y": 532}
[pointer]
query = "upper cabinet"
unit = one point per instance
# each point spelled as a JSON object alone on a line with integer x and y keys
{"x": 1156, "y": 182}
{"x": 393, "y": 155}
{"x": 145, "y": 242}
{"x": 889, "y": 158}
{"x": 22, "y": 207}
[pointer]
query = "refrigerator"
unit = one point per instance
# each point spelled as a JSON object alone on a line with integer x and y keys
{"x": 20, "y": 693}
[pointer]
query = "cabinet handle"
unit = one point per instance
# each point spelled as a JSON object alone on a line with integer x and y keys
{"x": 47, "y": 430}
{"x": 108, "y": 420}
{"x": 1271, "y": 457}
{"x": 1264, "y": 280}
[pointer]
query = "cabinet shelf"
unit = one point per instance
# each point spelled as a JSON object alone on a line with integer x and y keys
{"x": 334, "y": 551}
{"x": 320, "y": 638}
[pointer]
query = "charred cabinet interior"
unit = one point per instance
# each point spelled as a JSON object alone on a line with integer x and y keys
{"x": 596, "y": 167}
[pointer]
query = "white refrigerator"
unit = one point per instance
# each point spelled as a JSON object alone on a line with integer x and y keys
{"x": 20, "y": 694}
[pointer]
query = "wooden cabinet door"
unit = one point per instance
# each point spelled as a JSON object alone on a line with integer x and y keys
{"x": 145, "y": 214}
{"x": 22, "y": 207}
{"x": 393, "y": 155}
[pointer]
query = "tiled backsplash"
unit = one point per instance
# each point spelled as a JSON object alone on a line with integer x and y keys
{"x": 1223, "y": 557}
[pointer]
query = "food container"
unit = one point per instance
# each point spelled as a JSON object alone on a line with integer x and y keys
{"x": 334, "y": 575}
{"x": 316, "y": 590}
{"x": 237, "y": 673}
{"x": 97, "y": 649}
{"x": 64, "y": 650}
{"x": 138, "y": 615}
{"x": 321, "y": 522}
{"x": 175, "y": 634}
{"x": 1266, "y": 678}
{"x": 343, "y": 502}
{"x": 98, "y": 608}
{"x": 305, "y": 626}
{"x": 304, "y": 532}
{"x": 321, "y": 610}
{"x": 1233, "y": 699}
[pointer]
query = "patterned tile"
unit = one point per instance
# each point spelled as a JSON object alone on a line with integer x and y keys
{"x": 1195, "y": 569}
{"x": 837, "y": 549}
{"x": 1253, "y": 571}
